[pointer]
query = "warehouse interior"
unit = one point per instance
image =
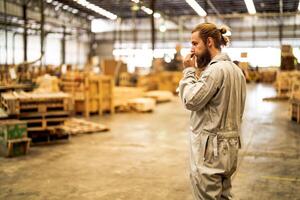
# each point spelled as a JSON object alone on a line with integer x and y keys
{"x": 89, "y": 106}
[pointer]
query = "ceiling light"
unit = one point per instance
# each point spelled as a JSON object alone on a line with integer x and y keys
{"x": 136, "y": 1}
{"x": 55, "y": 3}
{"x": 49, "y": 1}
{"x": 198, "y": 9}
{"x": 65, "y": 7}
{"x": 250, "y": 6}
{"x": 299, "y": 6}
{"x": 74, "y": 11}
{"x": 162, "y": 28}
{"x": 147, "y": 10}
{"x": 97, "y": 9}
{"x": 157, "y": 15}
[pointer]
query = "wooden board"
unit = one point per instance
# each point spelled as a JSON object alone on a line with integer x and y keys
{"x": 142, "y": 104}
{"x": 75, "y": 126}
{"x": 160, "y": 96}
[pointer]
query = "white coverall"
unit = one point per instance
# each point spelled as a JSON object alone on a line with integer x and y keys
{"x": 217, "y": 102}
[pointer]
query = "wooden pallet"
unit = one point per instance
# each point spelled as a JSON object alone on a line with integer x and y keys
{"x": 90, "y": 93}
{"x": 48, "y": 136}
{"x": 142, "y": 104}
{"x": 18, "y": 103}
{"x": 15, "y": 147}
{"x": 75, "y": 126}
{"x": 295, "y": 110}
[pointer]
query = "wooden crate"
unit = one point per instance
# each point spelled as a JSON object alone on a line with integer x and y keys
{"x": 15, "y": 147}
{"x": 110, "y": 67}
{"x": 91, "y": 93}
{"x": 12, "y": 129}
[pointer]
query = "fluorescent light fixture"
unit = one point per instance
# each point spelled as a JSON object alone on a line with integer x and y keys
{"x": 65, "y": 7}
{"x": 162, "y": 28}
{"x": 250, "y": 6}
{"x": 198, "y": 9}
{"x": 147, "y": 10}
{"x": 157, "y": 15}
{"x": 96, "y": 9}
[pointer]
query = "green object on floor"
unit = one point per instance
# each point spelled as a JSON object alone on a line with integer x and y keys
{"x": 12, "y": 129}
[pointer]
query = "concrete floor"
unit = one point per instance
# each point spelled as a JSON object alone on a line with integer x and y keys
{"x": 145, "y": 156}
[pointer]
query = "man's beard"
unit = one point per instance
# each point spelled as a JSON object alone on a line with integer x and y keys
{"x": 203, "y": 59}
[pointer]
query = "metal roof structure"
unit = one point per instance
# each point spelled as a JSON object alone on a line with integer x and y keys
{"x": 123, "y": 8}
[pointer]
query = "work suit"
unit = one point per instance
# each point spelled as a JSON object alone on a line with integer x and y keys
{"x": 216, "y": 101}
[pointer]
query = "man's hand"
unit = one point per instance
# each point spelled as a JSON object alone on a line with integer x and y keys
{"x": 189, "y": 61}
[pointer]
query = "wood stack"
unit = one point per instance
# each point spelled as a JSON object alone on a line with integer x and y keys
{"x": 75, "y": 126}
{"x": 43, "y": 113}
{"x": 142, "y": 104}
{"x": 13, "y": 138}
{"x": 91, "y": 93}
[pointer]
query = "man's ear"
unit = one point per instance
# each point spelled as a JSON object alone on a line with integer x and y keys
{"x": 210, "y": 42}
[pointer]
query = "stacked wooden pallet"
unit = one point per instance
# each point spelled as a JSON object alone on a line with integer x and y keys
{"x": 91, "y": 93}
{"x": 43, "y": 113}
{"x": 13, "y": 138}
{"x": 75, "y": 126}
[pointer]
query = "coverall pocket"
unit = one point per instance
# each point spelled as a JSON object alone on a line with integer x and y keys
{"x": 199, "y": 147}
{"x": 228, "y": 145}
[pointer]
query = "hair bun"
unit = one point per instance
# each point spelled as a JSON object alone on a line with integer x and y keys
{"x": 223, "y": 30}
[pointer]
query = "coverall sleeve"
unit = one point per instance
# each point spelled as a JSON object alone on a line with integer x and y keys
{"x": 195, "y": 93}
{"x": 243, "y": 92}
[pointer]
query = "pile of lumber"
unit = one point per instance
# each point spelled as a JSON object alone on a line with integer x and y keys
{"x": 160, "y": 96}
{"x": 142, "y": 104}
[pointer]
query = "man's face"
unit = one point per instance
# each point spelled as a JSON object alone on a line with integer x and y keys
{"x": 200, "y": 50}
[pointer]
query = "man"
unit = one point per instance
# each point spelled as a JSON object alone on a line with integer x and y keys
{"x": 217, "y": 102}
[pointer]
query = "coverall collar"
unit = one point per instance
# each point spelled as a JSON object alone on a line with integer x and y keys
{"x": 219, "y": 57}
